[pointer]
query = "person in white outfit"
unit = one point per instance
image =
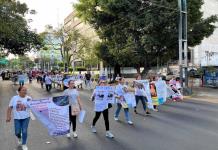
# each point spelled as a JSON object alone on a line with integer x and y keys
{"x": 104, "y": 111}
{"x": 21, "y": 114}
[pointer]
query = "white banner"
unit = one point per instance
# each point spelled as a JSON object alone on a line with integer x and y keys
{"x": 130, "y": 99}
{"x": 161, "y": 89}
{"x": 147, "y": 93}
{"x": 103, "y": 96}
{"x": 53, "y": 113}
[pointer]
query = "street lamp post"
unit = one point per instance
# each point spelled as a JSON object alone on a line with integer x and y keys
{"x": 183, "y": 56}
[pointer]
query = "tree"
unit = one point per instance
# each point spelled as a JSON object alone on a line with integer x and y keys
{"x": 22, "y": 62}
{"x": 72, "y": 45}
{"x": 15, "y": 35}
{"x": 136, "y": 32}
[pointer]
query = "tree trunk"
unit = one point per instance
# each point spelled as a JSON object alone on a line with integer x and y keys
{"x": 146, "y": 66}
{"x": 138, "y": 69}
{"x": 117, "y": 71}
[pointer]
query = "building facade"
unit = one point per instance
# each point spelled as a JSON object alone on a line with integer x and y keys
{"x": 72, "y": 22}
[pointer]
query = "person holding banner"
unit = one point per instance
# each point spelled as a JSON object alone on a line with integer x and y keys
{"x": 139, "y": 95}
{"x": 120, "y": 91}
{"x": 75, "y": 105}
{"x": 104, "y": 110}
{"x": 21, "y": 114}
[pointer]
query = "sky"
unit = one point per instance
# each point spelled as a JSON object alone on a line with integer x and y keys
{"x": 54, "y": 11}
{"x": 48, "y": 12}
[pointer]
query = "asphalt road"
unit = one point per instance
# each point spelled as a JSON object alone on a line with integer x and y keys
{"x": 187, "y": 125}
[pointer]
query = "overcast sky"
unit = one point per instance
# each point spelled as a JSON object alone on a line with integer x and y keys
{"x": 54, "y": 11}
{"x": 48, "y": 12}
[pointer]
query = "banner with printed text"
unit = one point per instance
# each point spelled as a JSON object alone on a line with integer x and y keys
{"x": 53, "y": 113}
{"x": 103, "y": 96}
{"x": 147, "y": 92}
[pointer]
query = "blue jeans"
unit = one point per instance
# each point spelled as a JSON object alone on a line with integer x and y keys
{"x": 21, "y": 82}
{"x": 21, "y": 126}
{"x": 126, "y": 112}
{"x": 142, "y": 99}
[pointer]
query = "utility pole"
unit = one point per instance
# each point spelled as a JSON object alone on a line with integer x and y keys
{"x": 183, "y": 47}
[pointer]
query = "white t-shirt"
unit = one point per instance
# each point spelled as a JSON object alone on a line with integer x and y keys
{"x": 73, "y": 96}
{"x": 19, "y": 107}
{"x": 48, "y": 80}
{"x": 139, "y": 92}
{"x": 21, "y": 77}
{"x": 99, "y": 105}
{"x": 119, "y": 91}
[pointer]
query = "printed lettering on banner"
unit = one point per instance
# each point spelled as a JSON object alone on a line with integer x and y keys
{"x": 130, "y": 99}
{"x": 103, "y": 96}
{"x": 53, "y": 113}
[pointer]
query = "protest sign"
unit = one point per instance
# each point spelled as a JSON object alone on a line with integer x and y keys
{"x": 161, "y": 89}
{"x": 147, "y": 92}
{"x": 53, "y": 113}
{"x": 130, "y": 99}
{"x": 103, "y": 96}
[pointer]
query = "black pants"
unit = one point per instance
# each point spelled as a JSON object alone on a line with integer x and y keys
{"x": 72, "y": 120}
{"x": 106, "y": 118}
{"x": 48, "y": 87}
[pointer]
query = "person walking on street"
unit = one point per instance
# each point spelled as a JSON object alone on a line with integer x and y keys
{"x": 21, "y": 114}
{"x": 40, "y": 79}
{"x": 104, "y": 111}
{"x": 48, "y": 82}
{"x": 21, "y": 78}
{"x": 75, "y": 105}
{"x": 88, "y": 80}
{"x": 139, "y": 96}
{"x": 119, "y": 92}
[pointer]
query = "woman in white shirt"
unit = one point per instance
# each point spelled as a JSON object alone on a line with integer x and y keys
{"x": 119, "y": 92}
{"x": 75, "y": 105}
{"x": 104, "y": 111}
{"x": 139, "y": 96}
{"x": 21, "y": 114}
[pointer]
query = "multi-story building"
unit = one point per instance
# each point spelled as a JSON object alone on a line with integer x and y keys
{"x": 206, "y": 54}
{"x": 72, "y": 22}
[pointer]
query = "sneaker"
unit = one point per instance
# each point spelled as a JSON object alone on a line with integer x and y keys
{"x": 130, "y": 122}
{"x": 109, "y": 134}
{"x": 93, "y": 129}
{"x": 68, "y": 135}
{"x": 156, "y": 110}
{"x": 24, "y": 147}
{"x": 135, "y": 111}
{"x": 116, "y": 118}
{"x": 19, "y": 142}
{"x": 75, "y": 135}
{"x": 147, "y": 113}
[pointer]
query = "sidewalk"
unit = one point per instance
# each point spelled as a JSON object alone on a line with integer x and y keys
{"x": 204, "y": 94}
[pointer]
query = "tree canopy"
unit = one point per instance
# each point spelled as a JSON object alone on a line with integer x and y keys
{"x": 15, "y": 35}
{"x": 136, "y": 32}
{"x": 72, "y": 45}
